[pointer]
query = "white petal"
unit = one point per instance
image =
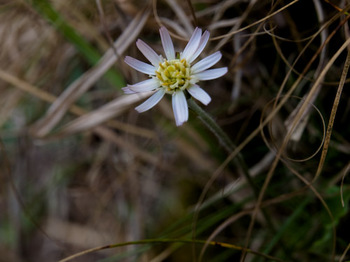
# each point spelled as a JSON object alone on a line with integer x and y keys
{"x": 192, "y": 45}
{"x": 167, "y": 43}
{"x": 207, "y": 62}
{"x": 148, "y": 52}
{"x": 151, "y": 102}
{"x": 128, "y": 91}
{"x": 199, "y": 94}
{"x": 144, "y": 86}
{"x": 211, "y": 73}
{"x": 140, "y": 66}
{"x": 180, "y": 108}
{"x": 202, "y": 44}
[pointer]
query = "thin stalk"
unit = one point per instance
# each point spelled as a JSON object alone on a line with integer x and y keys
{"x": 223, "y": 139}
{"x": 229, "y": 146}
{"x": 162, "y": 241}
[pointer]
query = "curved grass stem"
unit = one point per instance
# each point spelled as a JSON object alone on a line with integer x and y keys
{"x": 160, "y": 241}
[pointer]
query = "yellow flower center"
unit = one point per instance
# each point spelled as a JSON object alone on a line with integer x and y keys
{"x": 174, "y": 75}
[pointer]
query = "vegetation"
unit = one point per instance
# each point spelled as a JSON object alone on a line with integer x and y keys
{"x": 260, "y": 174}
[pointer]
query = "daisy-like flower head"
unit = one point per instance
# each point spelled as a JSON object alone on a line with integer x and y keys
{"x": 175, "y": 75}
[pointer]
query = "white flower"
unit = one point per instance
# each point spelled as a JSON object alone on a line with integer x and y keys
{"x": 175, "y": 75}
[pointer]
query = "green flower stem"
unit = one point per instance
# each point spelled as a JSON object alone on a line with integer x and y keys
{"x": 224, "y": 140}
{"x": 210, "y": 123}
{"x": 229, "y": 146}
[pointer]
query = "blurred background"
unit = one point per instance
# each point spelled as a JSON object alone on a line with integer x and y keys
{"x": 80, "y": 168}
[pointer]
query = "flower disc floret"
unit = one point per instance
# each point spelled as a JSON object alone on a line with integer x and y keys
{"x": 174, "y": 75}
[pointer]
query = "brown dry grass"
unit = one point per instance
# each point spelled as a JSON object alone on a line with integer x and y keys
{"x": 80, "y": 168}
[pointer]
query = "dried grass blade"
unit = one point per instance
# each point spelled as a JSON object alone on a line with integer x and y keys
{"x": 24, "y": 86}
{"x": 82, "y": 84}
{"x": 106, "y": 112}
{"x": 76, "y": 110}
{"x": 183, "y": 17}
{"x": 45, "y": 9}
{"x": 334, "y": 110}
